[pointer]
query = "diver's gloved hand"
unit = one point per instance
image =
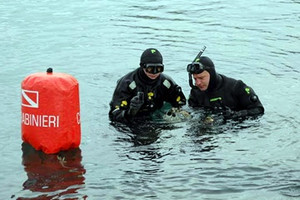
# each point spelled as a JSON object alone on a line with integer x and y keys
{"x": 136, "y": 103}
{"x": 230, "y": 114}
{"x": 227, "y": 113}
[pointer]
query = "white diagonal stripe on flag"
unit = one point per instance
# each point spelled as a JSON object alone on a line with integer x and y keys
{"x": 32, "y": 103}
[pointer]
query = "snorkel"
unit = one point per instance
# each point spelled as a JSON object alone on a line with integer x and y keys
{"x": 195, "y": 67}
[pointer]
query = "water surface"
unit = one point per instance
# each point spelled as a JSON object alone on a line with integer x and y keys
{"x": 99, "y": 41}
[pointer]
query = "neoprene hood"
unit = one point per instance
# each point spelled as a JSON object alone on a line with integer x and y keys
{"x": 151, "y": 55}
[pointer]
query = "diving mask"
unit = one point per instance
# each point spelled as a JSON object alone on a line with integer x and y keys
{"x": 154, "y": 68}
{"x": 196, "y": 68}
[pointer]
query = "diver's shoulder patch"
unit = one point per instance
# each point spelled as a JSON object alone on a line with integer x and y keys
{"x": 167, "y": 83}
{"x": 132, "y": 85}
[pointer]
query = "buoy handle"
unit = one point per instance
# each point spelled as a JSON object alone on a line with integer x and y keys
{"x": 49, "y": 70}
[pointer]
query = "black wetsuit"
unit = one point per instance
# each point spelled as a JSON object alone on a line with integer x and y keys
{"x": 156, "y": 92}
{"x": 232, "y": 97}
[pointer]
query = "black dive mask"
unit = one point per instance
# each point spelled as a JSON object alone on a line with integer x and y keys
{"x": 154, "y": 68}
{"x": 195, "y": 68}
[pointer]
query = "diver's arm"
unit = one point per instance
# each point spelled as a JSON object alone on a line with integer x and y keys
{"x": 229, "y": 114}
{"x": 177, "y": 97}
{"x": 174, "y": 94}
{"x": 248, "y": 102}
{"x": 119, "y": 104}
{"x": 121, "y": 111}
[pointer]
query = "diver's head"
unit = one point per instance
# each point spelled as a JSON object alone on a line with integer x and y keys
{"x": 152, "y": 63}
{"x": 204, "y": 74}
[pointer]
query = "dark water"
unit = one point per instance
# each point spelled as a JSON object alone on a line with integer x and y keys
{"x": 98, "y": 42}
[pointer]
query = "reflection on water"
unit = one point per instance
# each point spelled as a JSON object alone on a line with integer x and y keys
{"x": 143, "y": 137}
{"x": 52, "y": 176}
{"x": 143, "y": 130}
{"x": 139, "y": 133}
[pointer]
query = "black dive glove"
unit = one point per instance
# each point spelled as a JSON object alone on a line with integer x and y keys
{"x": 136, "y": 103}
{"x": 230, "y": 114}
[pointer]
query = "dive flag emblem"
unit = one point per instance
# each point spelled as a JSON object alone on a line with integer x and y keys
{"x": 30, "y": 98}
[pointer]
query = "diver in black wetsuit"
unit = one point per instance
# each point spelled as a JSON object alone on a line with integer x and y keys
{"x": 144, "y": 90}
{"x": 216, "y": 92}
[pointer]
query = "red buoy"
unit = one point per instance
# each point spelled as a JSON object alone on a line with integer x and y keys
{"x": 51, "y": 111}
